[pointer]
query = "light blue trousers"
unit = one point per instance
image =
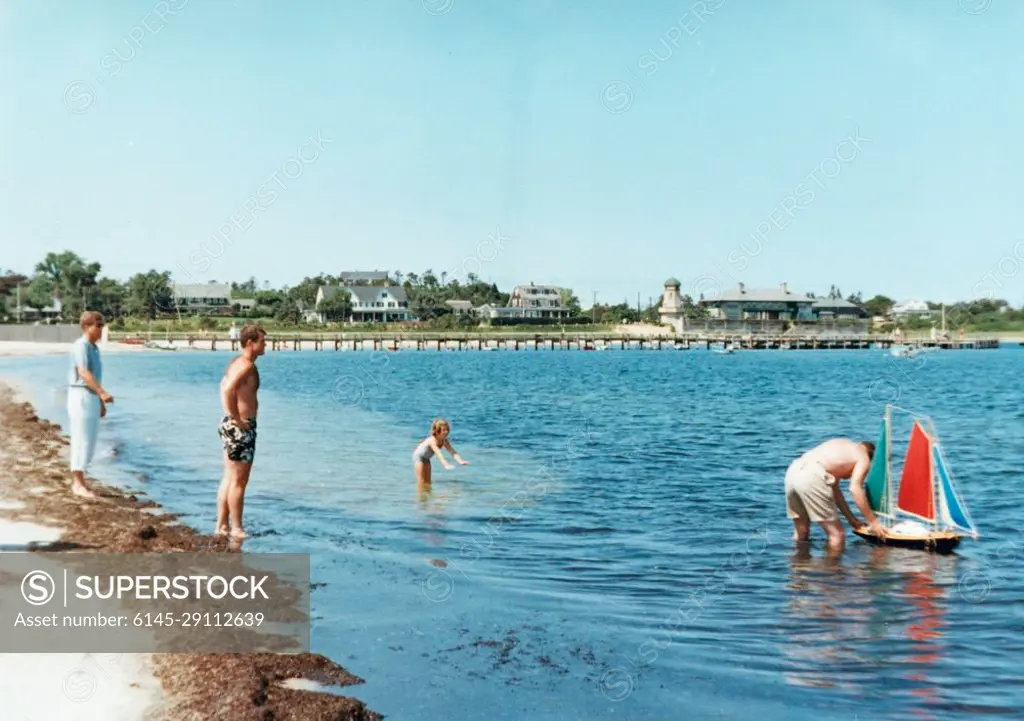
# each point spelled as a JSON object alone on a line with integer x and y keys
{"x": 84, "y": 415}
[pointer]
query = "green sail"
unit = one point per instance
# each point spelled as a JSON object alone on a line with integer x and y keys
{"x": 875, "y": 484}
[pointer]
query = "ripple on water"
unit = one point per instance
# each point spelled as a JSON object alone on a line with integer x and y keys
{"x": 623, "y": 519}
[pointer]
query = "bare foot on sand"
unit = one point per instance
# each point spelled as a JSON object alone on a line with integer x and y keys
{"x": 82, "y": 491}
{"x": 238, "y": 533}
{"x": 221, "y": 531}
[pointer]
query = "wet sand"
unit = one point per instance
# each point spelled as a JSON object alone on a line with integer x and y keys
{"x": 197, "y": 687}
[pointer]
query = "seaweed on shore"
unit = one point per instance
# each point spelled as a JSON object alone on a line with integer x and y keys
{"x": 248, "y": 686}
{"x": 199, "y": 687}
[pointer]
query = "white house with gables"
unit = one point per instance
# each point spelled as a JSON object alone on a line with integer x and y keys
{"x": 911, "y": 309}
{"x": 379, "y": 304}
{"x": 203, "y": 298}
{"x": 538, "y": 301}
{"x": 370, "y": 303}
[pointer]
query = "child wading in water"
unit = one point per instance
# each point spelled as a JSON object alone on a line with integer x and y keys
{"x": 430, "y": 445}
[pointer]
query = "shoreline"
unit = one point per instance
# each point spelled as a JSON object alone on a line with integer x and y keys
{"x": 38, "y": 514}
{"x": 31, "y": 348}
{"x": 28, "y": 349}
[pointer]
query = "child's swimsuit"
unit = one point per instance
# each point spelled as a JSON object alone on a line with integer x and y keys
{"x": 423, "y": 452}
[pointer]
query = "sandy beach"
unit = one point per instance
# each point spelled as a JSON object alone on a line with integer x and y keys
{"x": 34, "y": 348}
{"x": 37, "y": 514}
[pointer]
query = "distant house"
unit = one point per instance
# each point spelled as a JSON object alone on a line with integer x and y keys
{"x": 379, "y": 304}
{"x": 245, "y": 305}
{"x": 460, "y": 307}
{"x": 760, "y": 304}
{"x": 203, "y": 298}
{"x": 538, "y": 301}
{"x": 370, "y": 303}
{"x": 324, "y": 292}
{"x": 489, "y": 311}
{"x": 50, "y": 313}
{"x": 354, "y": 277}
{"x": 836, "y": 308}
{"x": 911, "y": 309}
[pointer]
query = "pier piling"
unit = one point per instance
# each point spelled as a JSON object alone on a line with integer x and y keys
{"x": 569, "y": 341}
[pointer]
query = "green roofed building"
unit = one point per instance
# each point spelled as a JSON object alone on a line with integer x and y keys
{"x": 744, "y": 303}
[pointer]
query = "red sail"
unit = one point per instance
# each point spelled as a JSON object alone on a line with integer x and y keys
{"x": 916, "y": 495}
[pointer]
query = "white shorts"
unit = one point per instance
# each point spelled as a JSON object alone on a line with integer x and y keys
{"x": 84, "y": 417}
{"x": 810, "y": 492}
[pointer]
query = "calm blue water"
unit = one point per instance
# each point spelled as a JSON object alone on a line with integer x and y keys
{"x": 618, "y": 548}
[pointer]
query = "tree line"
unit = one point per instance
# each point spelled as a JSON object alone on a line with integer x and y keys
{"x": 79, "y": 285}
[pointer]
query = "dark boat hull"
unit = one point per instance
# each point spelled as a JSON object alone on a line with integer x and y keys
{"x": 932, "y": 542}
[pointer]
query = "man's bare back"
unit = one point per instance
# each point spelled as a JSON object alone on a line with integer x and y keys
{"x": 839, "y": 456}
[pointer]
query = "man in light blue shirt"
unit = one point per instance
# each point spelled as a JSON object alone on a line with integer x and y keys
{"x": 87, "y": 401}
{"x": 84, "y": 354}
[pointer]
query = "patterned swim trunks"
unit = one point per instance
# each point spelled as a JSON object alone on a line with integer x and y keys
{"x": 240, "y": 445}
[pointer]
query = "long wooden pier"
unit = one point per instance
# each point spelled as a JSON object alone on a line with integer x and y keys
{"x": 547, "y": 341}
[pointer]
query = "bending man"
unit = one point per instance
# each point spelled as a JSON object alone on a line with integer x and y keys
{"x": 813, "y": 492}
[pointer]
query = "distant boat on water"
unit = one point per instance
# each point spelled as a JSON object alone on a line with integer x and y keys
{"x": 904, "y": 351}
{"x": 913, "y": 351}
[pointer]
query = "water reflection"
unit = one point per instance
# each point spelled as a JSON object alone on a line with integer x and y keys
{"x": 847, "y": 623}
{"x": 435, "y": 507}
{"x": 924, "y": 591}
{"x": 825, "y": 624}
{"x": 435, "y": 504}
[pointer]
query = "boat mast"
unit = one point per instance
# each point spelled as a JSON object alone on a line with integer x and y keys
{"x": 934, "y": 476}
{"x": 889, "y": 510}
{"x": 937, "y": 493}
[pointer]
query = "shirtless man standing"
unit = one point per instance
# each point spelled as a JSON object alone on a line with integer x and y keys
{"x": 813, "y": 492}
{"x": 237, "y": 429}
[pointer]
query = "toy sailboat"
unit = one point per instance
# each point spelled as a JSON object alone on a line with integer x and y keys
{"x": 926, "y": 494}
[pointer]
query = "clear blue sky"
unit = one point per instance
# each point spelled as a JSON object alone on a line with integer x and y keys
{"x": 448, "y": 126}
